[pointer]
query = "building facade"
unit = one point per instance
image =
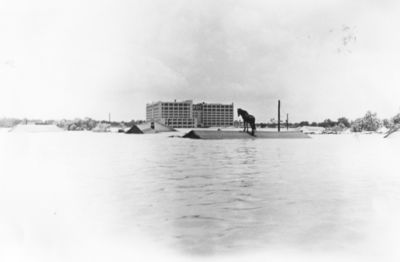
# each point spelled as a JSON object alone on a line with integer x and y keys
{"x": 174, "y": 114}
{"x": 185, "y": 114}
{"x": 208, "y": 115}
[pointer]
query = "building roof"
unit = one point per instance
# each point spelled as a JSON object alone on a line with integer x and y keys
{"x": 145, "y": 128}
{"x": 230, "y": 134}
{"x": 134, "y": 130}
{"x": 184, "y": 101}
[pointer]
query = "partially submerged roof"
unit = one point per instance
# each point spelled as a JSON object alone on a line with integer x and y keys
{"x": 134, "y": 130}
{"x": 147, "y": 128}
{"x": 230, "y": 134}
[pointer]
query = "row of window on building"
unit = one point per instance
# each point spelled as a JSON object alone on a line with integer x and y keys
{"x": 185, "y": 114}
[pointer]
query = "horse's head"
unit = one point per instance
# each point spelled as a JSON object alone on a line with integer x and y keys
{"x": 242, "y": 112}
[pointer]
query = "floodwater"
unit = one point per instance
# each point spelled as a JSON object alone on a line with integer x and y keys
{"x": 73, "y": 195}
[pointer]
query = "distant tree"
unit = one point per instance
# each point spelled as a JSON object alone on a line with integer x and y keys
{"x": 396, "y": 119}
{"x": 344, "y": 121}
{"x": 387, "y": 123}
{"x": 357, "y": 125}
{"x": 72, "y": 127}
{"x": 90, "y": 123}
{"x": 327, "y": 123}
{"x": 314, "y": 124}
{"x": 133, "y": 122}
{"x": 370, "y": 122}
{"x": 304, "y": 123}
{"x": 130, "y": 123}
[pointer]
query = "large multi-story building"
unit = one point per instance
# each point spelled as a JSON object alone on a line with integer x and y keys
{"x": 213, "y": 114}
{"x": 173, "y": 114}
{"x": 185, "y": 114}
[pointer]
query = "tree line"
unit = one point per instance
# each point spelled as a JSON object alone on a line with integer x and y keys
{"x": 86, "y": 123}
{"x": 369, "y": 122}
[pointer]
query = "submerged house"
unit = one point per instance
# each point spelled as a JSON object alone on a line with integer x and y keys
{"x": 149, "y": 128}
{"x": 134, "y": 130}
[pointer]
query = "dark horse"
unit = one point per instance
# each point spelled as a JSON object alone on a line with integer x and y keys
{"x": 247, "y": 119}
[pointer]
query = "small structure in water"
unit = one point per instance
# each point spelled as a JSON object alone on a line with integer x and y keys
{"x": 149, "y": 128}
{"x": 231, "y": 134}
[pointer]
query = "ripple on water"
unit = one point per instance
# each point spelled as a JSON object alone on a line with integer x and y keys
{"x": 242, "y": 194}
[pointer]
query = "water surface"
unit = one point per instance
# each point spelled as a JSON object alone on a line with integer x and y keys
{"x": 326, "y": 194}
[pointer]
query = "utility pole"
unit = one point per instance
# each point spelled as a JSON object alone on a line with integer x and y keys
{"x": 287, "y": 121}
{"x": 279, "y": 115}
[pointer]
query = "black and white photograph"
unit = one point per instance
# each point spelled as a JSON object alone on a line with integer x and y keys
{"x": 199, "y": 130}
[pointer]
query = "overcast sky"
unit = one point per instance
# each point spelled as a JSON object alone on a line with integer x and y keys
{"x": 78, "y": 58}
